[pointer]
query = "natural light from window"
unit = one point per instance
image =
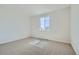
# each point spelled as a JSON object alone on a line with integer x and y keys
{"x": 44, "y": 23}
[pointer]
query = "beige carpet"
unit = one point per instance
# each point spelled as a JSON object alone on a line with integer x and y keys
{"x": 35, "y": 46}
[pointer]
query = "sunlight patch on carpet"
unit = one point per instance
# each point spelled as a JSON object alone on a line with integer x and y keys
{"x": 39, "y": 43}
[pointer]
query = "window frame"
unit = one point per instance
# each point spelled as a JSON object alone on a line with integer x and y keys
{"x": 46, "y": 19}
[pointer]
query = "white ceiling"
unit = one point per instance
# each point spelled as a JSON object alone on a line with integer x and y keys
{"x": 32, "y": 9}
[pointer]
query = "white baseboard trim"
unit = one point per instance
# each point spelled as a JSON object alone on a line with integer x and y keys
{"x": 12, "y": 40}
{"x": 52, "y": 40}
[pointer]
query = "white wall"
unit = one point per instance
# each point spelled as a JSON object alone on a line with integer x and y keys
{"x": 13, "y": 25}
{"x": 75, "y": 27}
{"x": 60, "y": 26}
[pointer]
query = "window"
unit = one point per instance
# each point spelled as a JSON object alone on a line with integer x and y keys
{"x": 44, "y": 23}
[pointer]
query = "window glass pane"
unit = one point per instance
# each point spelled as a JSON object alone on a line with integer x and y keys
{"x": 47, "y": 22}
{"x": 42, "y": 23}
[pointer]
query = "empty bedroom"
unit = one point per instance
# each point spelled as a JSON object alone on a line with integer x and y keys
{"x": 39, "y": 29}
